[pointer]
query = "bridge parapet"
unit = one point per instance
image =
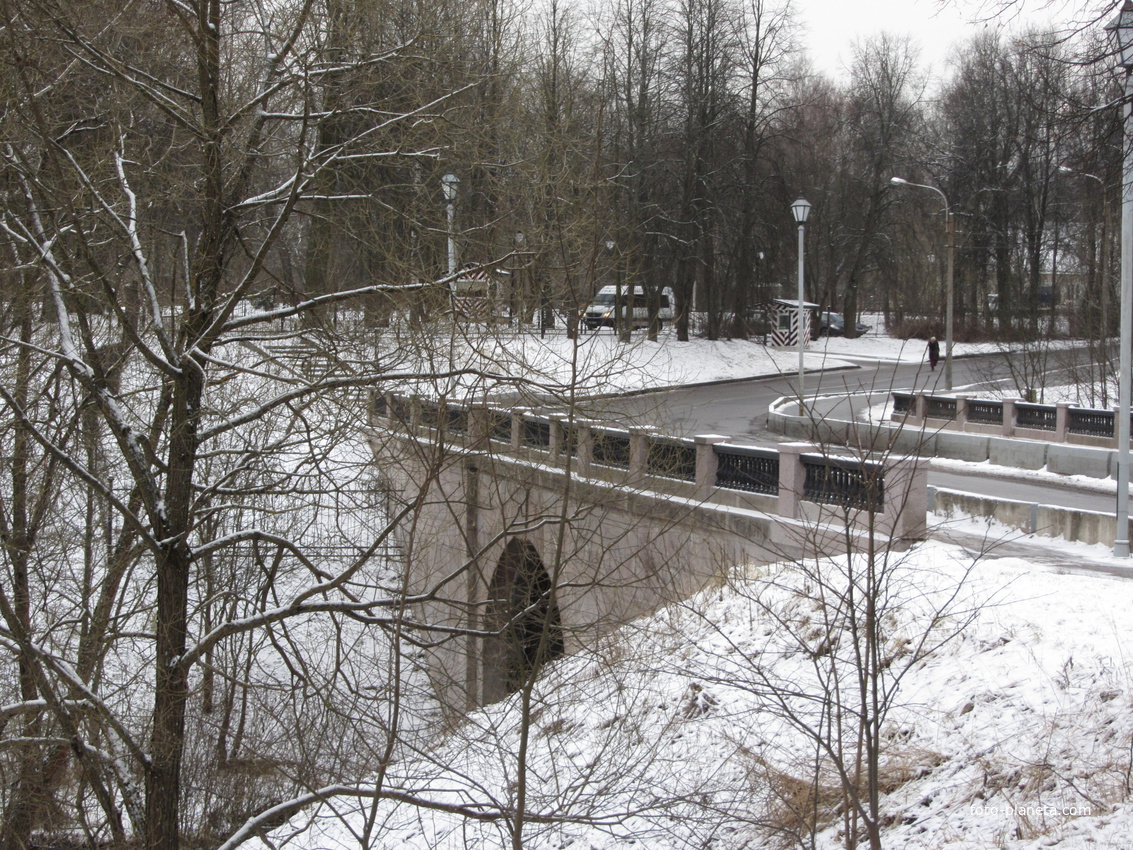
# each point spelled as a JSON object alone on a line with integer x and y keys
{"x": 602, "y": 524}
{"x": 795, "y": 481}
{"x": 1058, "y": 423}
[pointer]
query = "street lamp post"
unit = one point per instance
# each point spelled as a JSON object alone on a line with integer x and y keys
{"x": 949, "y": 298}
{"x": 1101, "y": 278}
{"x": 801, "y": 210}
{"x": 1120, "y": 32}
{"x": 448, "y": 187}
{"x": 517, "y": 297}
{"x": 623, "y": 312}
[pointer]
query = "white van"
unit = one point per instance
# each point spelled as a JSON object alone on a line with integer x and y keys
{"x": 635, "y": 311}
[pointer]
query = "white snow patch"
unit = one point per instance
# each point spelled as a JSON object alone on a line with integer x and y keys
{"x": 1016, "y": 734}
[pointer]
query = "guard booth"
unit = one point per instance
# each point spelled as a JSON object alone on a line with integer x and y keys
{"x": 475, "y": 295}
{"x": 781, "y": 316}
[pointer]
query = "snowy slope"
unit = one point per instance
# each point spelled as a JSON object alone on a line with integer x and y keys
{"x": 1015, "y": 733}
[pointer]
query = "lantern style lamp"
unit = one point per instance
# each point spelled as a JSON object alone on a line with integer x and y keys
{"x": 800, "y": 209}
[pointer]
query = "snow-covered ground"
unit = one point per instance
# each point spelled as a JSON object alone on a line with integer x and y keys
{"x": 598, "y": 363}
{"x": 601, "y": 363}
{"x": 1016, "y": 733}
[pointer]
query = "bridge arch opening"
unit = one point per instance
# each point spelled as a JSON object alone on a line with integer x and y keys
{"x": 522, "y": 609}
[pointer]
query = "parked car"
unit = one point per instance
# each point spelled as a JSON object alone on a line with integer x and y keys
{"x": 600, "y": 312}
{"x": 834, "y": 324}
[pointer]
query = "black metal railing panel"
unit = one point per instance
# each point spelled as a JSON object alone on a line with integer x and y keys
{"x": 456, "y": 420}
{"x": 849, "y": 483}
{"x": 499, "y": 426}
{"x": 610, "y": 448}
{"x": 670, "y": 458}
{"x": 537, "y": 433}
{"x": 401, "y": 409}
{"x": 569, "y": 446}
{"x": 985, "y": 412}
{"x": 747, "y": 468}
{"x": 1091, "y": 423}
{"x": 902, "y": 403}
{"x": 940, "y": 408}
{"x": 1041, "y": 417}
{"x": 430, "y": 413}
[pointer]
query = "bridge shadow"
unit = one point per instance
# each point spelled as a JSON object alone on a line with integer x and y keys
{"x": 522, "y": 609}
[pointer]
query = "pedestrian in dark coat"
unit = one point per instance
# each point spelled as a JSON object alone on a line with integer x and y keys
{"x": 933, "y": 353}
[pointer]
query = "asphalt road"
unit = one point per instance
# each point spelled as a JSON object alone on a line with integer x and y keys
{"x": 739, "y": 410}
{"x": 1101, "y": 499}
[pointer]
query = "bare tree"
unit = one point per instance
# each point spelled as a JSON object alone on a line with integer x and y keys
{"x": 883, "y": 121}
{"x": 702, "y": 71}
{"x": 632, "y": 69}
{"x": 767, "y": 47}
{"x": 201, "y": 444}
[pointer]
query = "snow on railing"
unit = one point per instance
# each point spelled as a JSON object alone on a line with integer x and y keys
{"x": 709, "y": 463}
{"x": 1062, "y": 422}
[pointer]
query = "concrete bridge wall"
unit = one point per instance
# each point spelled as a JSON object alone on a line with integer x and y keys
{"x": 1029, "y": 517}
{"x": 839, "y": 420}
{"x": 615, "y": 543}
{"x": 842, "y": 420}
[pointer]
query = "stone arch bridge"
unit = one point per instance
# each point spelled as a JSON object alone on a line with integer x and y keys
{"x": 533, "y": 535}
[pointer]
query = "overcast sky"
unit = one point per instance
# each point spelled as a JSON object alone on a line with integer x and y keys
{"x": 831, "y": 25}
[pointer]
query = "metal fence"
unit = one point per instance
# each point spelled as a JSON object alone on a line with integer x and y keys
{"x": 570, "y": 441}
{"x": 747, "y": 468}
{"x": 1040, "y": 417}
{"x": 941, "y": 408}
{"x": 456, "y": 419}
{"x": 1037, "y": 417}
{"x": 537, "y": 433}
{"x": 851, "y": 484}
{"x": 401, "y": 409}
{"x": 610, "y": 448}
{"x": 1091, "y": 423}
{"x": 670, "y": 458}
{"x": 985, "y": 412}
{"x": 430, "y": 413}
{"x": 751, "y": 469}
{"x": 499, "y": 426}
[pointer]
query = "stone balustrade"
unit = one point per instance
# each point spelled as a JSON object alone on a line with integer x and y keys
{"x": 1059, "y": 423}
{"x": 705, "y": 468}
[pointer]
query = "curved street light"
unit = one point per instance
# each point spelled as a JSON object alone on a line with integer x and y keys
{"x": 950, "y": 231}
{"x": 1120, "y": 33}
{"x": 1102, "y": 283}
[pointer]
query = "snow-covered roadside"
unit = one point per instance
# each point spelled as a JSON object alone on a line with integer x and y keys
{"x": 987, "y": 469}
{"x": 1029, "y": 713}
{"x": 598, "y": 363}
{"x": 1016, "y": 734}
{"x": 643, "y": 364}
